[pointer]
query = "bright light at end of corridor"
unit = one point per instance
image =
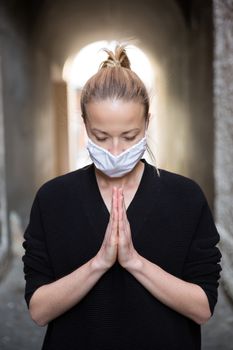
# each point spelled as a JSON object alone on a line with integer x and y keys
{"x": 79, "y": 68}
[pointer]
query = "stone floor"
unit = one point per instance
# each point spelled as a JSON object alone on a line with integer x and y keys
{"x": 19, "y": 332}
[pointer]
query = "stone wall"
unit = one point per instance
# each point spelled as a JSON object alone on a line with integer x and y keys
{"x": 223, "y": 101}
{"x": 26, "y": 122}
{"x": 28, "y": 117}
{"x": 4, "y": 229}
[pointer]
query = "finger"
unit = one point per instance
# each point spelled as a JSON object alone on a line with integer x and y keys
{"x": 122, "y": 205}
{"x": 112, "y": 215}
{"x": 120, "y": 215}
{"x": 112, "y": 203}
{"x": 125, "y": 218}
{"x": 115, "y": 211}
{"x": 111, "y": 232}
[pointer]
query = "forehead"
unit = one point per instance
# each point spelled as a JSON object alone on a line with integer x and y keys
{"x": 115, "y": 112}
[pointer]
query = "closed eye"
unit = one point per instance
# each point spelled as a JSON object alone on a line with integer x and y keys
{"x": 101, "y": 139}
{"x": 130, "y": 138}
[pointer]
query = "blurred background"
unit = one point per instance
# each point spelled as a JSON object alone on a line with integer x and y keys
{"x": 182, "y": 49}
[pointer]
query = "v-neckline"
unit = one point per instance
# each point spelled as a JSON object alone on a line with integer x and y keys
{"x": 138, "y": 211}
{"x": 137, "y": 192}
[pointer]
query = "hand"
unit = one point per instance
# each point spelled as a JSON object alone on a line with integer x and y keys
{"x": 107, "y": 254}
{"x": 127, "y": 255}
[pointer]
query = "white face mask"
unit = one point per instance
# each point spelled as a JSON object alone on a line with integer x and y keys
{"x": 116, "y": 166}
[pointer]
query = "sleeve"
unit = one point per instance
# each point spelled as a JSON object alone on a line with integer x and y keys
{"x": 202, "y": 262}
{"x": 37, "y": 267}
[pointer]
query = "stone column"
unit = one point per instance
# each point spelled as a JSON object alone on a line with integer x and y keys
{"x": 4, "y": 232}
{"x": 223, "y": 113}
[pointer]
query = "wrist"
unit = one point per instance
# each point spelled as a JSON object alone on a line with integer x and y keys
{"x": 135, "y": 264}
{"x": 98, "y": 266}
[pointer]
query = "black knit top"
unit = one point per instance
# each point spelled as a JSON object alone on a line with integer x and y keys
{"x": 171, "y": 225}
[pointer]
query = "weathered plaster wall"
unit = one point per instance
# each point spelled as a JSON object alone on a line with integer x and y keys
{"x": 27, "y": 114}
{"x": 223, "y": 67}
{"x": 4, "y": 228}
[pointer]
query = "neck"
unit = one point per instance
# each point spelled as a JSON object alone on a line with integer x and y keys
{"x": 125, "y": 181}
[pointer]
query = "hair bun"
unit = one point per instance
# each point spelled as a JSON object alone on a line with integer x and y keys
{"x": 118, "y": 58}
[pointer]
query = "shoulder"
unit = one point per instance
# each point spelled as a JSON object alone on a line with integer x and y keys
{"x": 63, "y": 184}
{"x": 179, "y": 181}
{"x": 178, "y": 187}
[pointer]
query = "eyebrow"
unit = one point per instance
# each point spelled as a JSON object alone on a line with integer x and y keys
{"x": 124, "y": 133}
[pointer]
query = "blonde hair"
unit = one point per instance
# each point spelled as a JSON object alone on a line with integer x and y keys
{"x": 116, "y": 80}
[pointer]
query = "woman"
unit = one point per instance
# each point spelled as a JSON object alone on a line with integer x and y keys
{"x": 120, "y": 255}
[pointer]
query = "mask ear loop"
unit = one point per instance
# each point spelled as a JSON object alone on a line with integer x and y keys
{"x": 153, "y": 158}
{"x": 156, "y": 167}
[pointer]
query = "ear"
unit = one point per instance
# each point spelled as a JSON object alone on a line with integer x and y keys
{"x": 84, "y": 119}
{"x": 147, "y": 120}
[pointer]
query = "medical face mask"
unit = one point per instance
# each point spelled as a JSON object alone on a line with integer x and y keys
{"x": 116, "y": 166}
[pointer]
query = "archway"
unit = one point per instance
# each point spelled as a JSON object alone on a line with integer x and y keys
{"x": 81, "y": 66}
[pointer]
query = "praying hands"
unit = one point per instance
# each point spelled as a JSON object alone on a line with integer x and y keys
{"x": 117, "y": 243}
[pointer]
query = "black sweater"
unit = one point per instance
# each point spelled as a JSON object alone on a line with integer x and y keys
{"x": 171, "y": 225}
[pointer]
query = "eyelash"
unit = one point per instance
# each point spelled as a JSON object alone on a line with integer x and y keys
{"x": 98, "y": 139}
{"x": 130, "y": 138}
{"x": 126, "y": 138}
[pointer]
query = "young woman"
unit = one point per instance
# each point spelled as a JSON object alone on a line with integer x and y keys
{"x": 120, "y": 255}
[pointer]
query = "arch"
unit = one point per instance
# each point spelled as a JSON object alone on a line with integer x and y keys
{"x": 182, "y": 54}
{"x": 77, "y": 70}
